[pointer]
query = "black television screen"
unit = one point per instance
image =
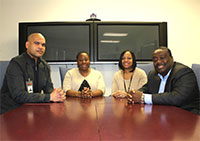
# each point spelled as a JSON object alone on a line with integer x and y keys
{"x": 141, "y": 38}
{"x": 63, "y": 41}
{"x": 104, "y": 41}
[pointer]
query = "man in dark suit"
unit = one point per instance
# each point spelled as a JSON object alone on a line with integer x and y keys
{"x": 171, "y": 83}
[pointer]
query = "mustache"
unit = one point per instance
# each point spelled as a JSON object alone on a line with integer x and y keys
{"x": 40, "y": 50}
{"x": 158, "y": 65}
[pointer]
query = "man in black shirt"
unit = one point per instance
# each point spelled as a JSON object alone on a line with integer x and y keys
{"x": 27, "y": 79}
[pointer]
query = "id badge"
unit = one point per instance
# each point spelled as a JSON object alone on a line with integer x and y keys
{"x": 29, "y": 85}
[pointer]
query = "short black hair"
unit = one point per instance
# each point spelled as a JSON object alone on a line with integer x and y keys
{"x": 134, "y": 60}
{"x": 81, "y": 53}
{"x": 166, "y": 48}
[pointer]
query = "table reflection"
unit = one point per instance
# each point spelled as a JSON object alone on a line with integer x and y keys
{"x": 105, "y": 118}
{"x": 144, "y": 122}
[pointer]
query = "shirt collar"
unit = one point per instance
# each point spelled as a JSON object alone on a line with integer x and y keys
{"x": 166, "y": 76}
{"x": 31, "y": 59}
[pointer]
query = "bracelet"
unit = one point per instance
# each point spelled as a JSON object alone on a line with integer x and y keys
{"x": 142, "y": 99}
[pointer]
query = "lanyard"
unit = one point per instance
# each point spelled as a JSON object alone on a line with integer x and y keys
{"x": 129, "y": 83}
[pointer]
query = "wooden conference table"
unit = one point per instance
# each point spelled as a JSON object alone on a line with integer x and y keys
{"x": 98, "y": 119}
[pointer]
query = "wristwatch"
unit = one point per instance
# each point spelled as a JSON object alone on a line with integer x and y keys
{"x": 142, "y": 99}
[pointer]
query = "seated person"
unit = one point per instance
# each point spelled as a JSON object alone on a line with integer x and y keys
{"x": 83, "y": 81}
{"x": 171, "y": 83}
{"x": 129, "y": 77}
{"x": 27, "y": 78}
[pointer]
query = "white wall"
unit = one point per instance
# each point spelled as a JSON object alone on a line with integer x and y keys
{"x": 182, "y": 16}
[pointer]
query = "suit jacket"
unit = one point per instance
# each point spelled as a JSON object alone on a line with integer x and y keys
{"x": 181, "y": 88}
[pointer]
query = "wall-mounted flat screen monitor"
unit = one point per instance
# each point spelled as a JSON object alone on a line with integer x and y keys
{"x": 63, "y": 41}
{"x": 141, "y": 38}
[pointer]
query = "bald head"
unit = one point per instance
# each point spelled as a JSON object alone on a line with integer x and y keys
{"x": 34, "y": 35}
{"x": 35, "y": 45}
